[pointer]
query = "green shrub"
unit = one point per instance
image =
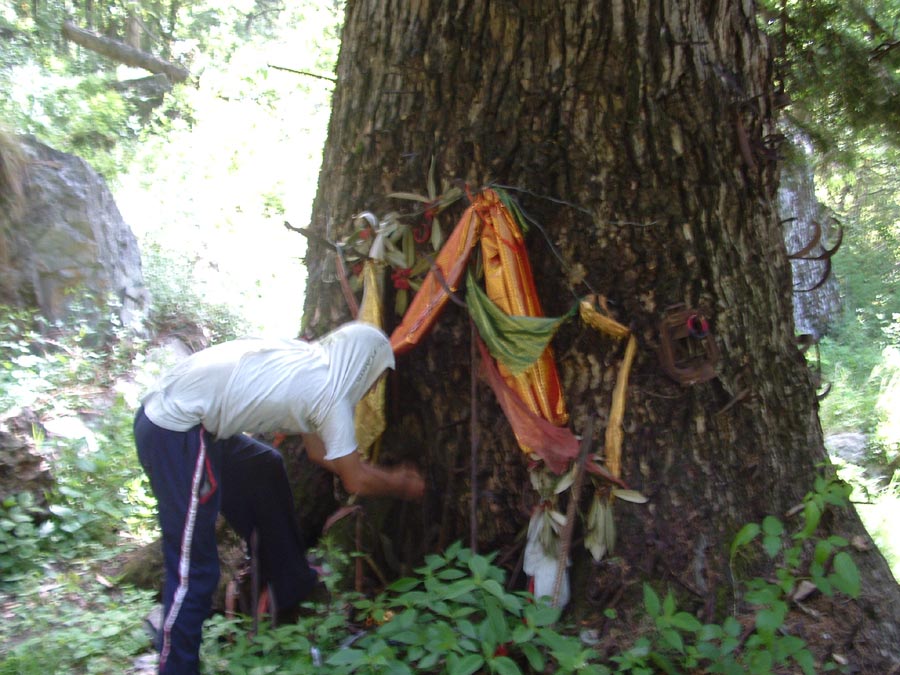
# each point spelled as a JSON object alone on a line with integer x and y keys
{"x": 680, "y": 643}
{"x": 456, "y": 617}
{"x": 94, "y": 632}
{"x": 177, "y": 300}
{"x": 20, "y": 535}
{"x": 99, "y": 488}
{"x": 99, "y": 496}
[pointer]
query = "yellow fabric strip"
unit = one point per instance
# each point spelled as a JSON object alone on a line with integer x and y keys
{"x": 614, "y": 433}
{"x": 370, "y": 419}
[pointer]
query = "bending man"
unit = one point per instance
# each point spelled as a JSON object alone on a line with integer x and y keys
{"x": 190, "y": 437}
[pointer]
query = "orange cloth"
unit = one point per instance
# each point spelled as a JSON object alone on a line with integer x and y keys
{"x": 509, "y": 284}
{"x": 431, "y": 297}
{"x": 556, "y": 445}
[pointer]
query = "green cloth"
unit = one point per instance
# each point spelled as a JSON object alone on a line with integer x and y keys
{"x": 515, "y": 341}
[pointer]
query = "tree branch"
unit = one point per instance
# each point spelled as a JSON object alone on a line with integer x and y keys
{"x": 302, "y": 72}
{"x": 122, "y": 53}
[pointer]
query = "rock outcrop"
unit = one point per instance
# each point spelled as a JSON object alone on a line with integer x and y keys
{"x": 64, "y": 247}
{"x": 816, "y": 303}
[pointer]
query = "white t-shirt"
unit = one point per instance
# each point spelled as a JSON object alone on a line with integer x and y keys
{"x": 266, "y": 386}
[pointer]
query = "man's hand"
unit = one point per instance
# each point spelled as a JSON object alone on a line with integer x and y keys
{"x": 410, "y": 477}
{"x": 360, "y": 477}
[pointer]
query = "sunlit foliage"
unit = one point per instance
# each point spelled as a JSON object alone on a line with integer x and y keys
{"x": 839, "y": 61}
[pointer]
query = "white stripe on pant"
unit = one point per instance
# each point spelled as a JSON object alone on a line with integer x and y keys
{"x": 184, "y": 562}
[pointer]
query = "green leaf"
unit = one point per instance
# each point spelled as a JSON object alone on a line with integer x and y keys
{"x": 669, "y": 605}
{"x": 729, "y": 645}
{"x": 846, "y": 575}
{"x": 822, "y": 551}
{"x": 651, "y": 601}
{"x": 522, "y": 634}
{"x": 534, "y": 656}
{"x": 772, "y": 526}
{"x": 346, "y": 657}
{"x": 760, "y": 662}
{"x": 770, "y": 620}
{"x": 764, "y": 594}
{"x": 710, "y": 631}
{"x": 467, "y": 645}
{"x": 664, "y": 664}
{"x": 408, "y": 637}
{"x": 453, "y": 550}
{"x": 731, "y": 626}
{"x": 459, "y": 588}
{"x": 466, "y": 665}
{"x": 504, "y": 666}
{"x": 429, "y": 661}
{"x": 686, "y": 622}
{"x": 461, "y": 611}
{"x": 512, "y": 603}
{"x": 467, "y": 629}
{"x": 708, "y": 650}
{"x": 541, "y": 614}
{"x": 773, "y": 530}
{"x": 806, "y": 662}
{"x": 479, "y": 566}
{"x": 744, "y": 536}
{"x": 61, "y": 511}
{"x": 812, "y": 514}
{"x": 824, "y": 584}
{"x": 772, "y": 545}
{"x": 403, "y": 585}
{"x": 788, "y": 645}
{"x": 496, "y": 619}
{"x": 494, "y": 588}
{"x": 673, "y": 639}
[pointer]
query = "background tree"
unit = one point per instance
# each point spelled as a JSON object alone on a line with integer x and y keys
{"x": 639, "y": 139}
{"x": 840, "y": 65}
{"x": 81, "y": 100}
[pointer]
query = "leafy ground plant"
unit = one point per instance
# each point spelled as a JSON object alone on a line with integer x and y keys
{"x": 99, "y": 498}
{"x": 761, "y": 642}
{"x": 70, "y": 625}
{"x": 454, "y": 616}
{"x": 457, "y": 617}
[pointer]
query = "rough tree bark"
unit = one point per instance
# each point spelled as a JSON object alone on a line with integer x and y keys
{"x": 635, "y": 134}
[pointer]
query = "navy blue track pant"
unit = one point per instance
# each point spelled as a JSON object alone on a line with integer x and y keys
{"x": 194, "y": 477}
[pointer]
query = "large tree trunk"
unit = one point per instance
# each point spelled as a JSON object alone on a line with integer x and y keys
{"x": 632, "y": 133}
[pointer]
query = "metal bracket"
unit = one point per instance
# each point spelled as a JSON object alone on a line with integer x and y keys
{"x": 687, "y": 350}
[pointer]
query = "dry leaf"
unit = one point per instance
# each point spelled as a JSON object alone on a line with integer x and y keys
{"x": 632, "y": 496}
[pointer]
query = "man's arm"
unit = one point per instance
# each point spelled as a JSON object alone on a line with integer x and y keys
{"x": 362, "y": 478}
